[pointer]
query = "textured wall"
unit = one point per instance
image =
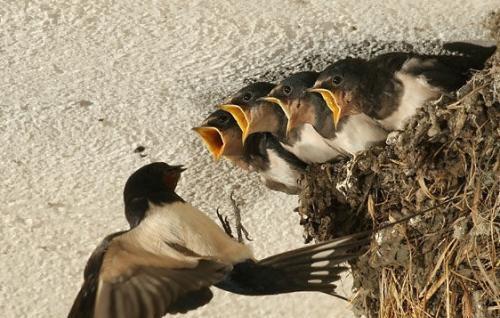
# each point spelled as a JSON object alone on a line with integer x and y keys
{"x": 83, "y": 84}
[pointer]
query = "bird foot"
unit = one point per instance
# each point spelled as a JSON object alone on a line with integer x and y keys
{"x": 225, "y": 223}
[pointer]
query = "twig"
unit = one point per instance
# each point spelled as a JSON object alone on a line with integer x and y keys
{"x": 365, "y": 195}
{"x": 240, "y": 229}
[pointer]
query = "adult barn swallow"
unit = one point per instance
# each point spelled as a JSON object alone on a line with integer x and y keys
{"x": 262, "y": 153}
{"x": 391, "y": 87}
{"x": 173, "y": 253}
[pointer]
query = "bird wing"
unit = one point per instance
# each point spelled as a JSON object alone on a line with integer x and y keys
{"x": 133, "y": 282}
{"x": 136, "y": 283}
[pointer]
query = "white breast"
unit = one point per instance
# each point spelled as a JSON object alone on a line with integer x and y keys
{"x": 280, "y": 171}
{"x": 416, "y": 91}
{"x": 358, "y": 133}
{"x": 311, "y": 147}
{"x": 183, "y": 224}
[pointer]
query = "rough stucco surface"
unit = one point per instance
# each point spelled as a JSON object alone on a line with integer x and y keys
{"x": 150, "y": 72}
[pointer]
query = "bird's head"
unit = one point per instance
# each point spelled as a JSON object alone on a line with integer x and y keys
{"x": 153, "y": 183}
{"x": 221, "y": 134}
{"x": 340, "y": 85}
{"x": 251, "y": 114}
{"x": 290, "y": 96}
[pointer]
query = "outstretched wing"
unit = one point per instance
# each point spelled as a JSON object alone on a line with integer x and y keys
{"x": 134, "y": 283}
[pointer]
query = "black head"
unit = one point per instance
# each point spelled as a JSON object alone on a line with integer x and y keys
{"x": 155, "y": 183}
{"x": 343, "y": 75}
{"x": 250, "y": 93}
{"x": 221, "y": 134}
{"x": 243, "y": 103}
{"x": 345, "y": 86}
{"x": 294, "y": 86}
{"x": 220, "y": 119}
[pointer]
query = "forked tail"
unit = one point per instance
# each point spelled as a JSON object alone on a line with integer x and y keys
{"x": 476, "y": 52}
{"x": 311, "y": 268}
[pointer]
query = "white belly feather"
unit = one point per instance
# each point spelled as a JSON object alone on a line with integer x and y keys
{"x": 358, "y": 133}
{"x": 183, "y": 224}
{"x": 416, "y": 91}
{"x": 311, "y": 147}
{"x": 280, "y": 171}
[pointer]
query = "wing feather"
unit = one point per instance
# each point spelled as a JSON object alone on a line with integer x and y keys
{"x": 128, "y": 281}
{"x": 136, "y": 283}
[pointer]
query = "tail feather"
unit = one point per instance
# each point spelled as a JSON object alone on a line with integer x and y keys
{"x": 311, "y": 268}
{"x": 320, "y": 276}
{"x": 450, "y": 72}
{"x": 317, "y": 267}
{"x": 473, "y": 56}
{"x": 332, "y": 248}
{"x": 482, "y": 51}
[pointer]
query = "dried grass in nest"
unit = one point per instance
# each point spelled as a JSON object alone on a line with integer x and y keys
{"x": 442, "y": 263}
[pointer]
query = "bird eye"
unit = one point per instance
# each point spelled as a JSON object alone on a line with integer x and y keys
{"x": 225, "y": 119}
{"x": 286, "y": 90}
{"x": 337, "y": 79}
{"x": 247, "y": 97}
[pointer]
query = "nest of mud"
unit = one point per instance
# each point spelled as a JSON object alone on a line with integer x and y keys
{"x": 442, "y": 263}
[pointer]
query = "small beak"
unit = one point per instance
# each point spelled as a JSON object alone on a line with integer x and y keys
{"x": 331, "y": 102}
{"x": 278, "y": 102}
{"x": 241, "y": 117}
{"x": 213, "y": 139}
{"x": 179, "y": 168}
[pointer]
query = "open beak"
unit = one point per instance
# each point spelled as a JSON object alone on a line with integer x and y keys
{"x": 331, "y": 102}
{"x": 278, "y": 102}
{"x": 290, "y": 125}
{"x": 242, "y": 118}
{"x": 213, "y": 139}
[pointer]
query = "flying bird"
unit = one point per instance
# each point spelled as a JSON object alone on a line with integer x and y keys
{"x": 173, "y": 253}
{"x": 262, "y": 153}
{"x": 391, "y": 87}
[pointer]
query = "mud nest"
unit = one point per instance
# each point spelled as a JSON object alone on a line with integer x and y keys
{"x": 442, "y": 263}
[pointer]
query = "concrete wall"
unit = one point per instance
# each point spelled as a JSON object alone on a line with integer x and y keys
{"x": 84, "y": 83}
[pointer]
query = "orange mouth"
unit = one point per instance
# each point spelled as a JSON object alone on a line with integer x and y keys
{"x": 331, "y": 101}
{"x": 241, "y": 117}
{"x": 213, "y": 139}
{"x": 278, "y": 102}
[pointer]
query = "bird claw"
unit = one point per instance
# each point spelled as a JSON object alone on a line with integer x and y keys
{"x": 225, "y": 223}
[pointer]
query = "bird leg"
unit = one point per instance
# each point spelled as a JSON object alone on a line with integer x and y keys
{"x": 240, "y": 229}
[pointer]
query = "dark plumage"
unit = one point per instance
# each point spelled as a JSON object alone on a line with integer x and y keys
{"x": 310, "y": 131}
{"x": 302, "y": 139}
{"x": 262, "y": 153}
{"x": 245, "y": 108}
{"x": 391, "y": 87}
{"x": 153, "y": 268}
